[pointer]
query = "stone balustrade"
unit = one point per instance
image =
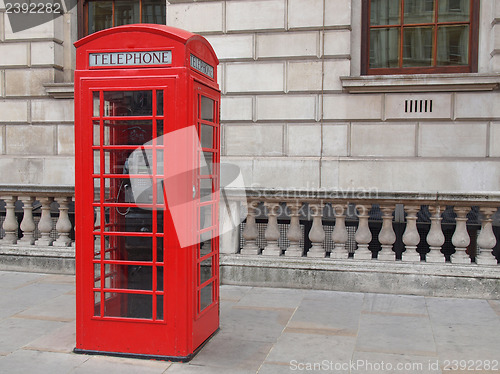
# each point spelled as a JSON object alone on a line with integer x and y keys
{"x": 369, "y": 226}
{"x": 36, "y": 228}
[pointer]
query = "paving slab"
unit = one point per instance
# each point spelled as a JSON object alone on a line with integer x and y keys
{"x": 28, "y": 361}
{"x": 329, "y": 310}
{"x": 396, "y": 334}
{"x": 272, "y": 297}
{"x": 395, "y": 304}
{"x": 17, "y": 332}
{"x": 389, "y": 363}
{"x": 119, "y": 365}
{"x": 224, "y": 351}
{"x": 307, "y": 347}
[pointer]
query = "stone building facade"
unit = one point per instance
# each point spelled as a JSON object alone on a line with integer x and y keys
{"x": 294, "y": 101}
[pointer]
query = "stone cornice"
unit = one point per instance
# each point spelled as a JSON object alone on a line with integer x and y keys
{"x": 421, "y": 83}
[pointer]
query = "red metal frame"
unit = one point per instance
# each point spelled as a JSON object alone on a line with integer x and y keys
{"x": 177, "y": 295}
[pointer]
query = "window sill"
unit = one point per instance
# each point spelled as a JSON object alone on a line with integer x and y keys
{"x": 60, "y": 90}
{"x": 421, "y": 83}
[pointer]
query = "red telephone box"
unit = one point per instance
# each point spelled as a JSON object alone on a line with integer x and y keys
{"x": 146, "y": 199}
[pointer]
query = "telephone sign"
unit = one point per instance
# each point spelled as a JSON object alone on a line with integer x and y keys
{"x": 147, "y": 150}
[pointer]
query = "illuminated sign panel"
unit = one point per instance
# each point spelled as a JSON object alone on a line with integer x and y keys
{"x": 202, "y": 66}
{"x": 142, "y": 58}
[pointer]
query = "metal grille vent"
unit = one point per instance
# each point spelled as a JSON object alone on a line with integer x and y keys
{"x": 418, "y": 106}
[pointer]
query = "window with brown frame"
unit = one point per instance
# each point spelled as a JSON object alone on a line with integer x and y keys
{"x": 99, "y": 15}
{"x": 419, "y": 36}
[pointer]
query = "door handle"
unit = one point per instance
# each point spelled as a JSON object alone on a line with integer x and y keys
{"x": 194, "y": 191}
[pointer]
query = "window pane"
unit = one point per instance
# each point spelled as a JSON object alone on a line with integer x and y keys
{"x": 153, "y": 11}
{"x": 100, "y": 15}
{"x": 126, "y": 12}
{"x": 207, "y": 109}
{"x": 384, "y": 12}
{"x": 454, "y": 11}
{"x": 206, "y": 136}
{"x": 419, "y": 11}
{"x": 128, "y": 103}
{"x": 384, "y": 48}
{"x": 417, "y": 47}
{"x": 453, "y": 45}
{"x": 206, "y": 296}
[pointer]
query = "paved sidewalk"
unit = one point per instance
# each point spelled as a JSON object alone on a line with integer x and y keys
{"x": 266, "y": 331}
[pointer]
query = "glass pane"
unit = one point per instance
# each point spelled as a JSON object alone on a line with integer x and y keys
{"x": 159, "y": 131}
{"x": 97, "y": 304}
{"x": 131, "y": 277}
{"x": 115, "y": 161}
{"x": 384, "y": 48}
{"x": 128, "y": 103}
{"x": 205, "y": 216}
{"x": 417, "y": 47}
{"x": 384, "y": 12}
{"x": 159, "y": 102}
{"x": 97, "y": 189}
{"x": 206, "y": 190}
{"x": 159, "y": 249}
{"x": 453, "y": 45}
{"x": 206, "y": 163}
{"x": 129, "y": 248}
{"x": 207, "y": 136}
{"x": 153, "y": 11}
{"x": 418, "y": 11}
{"x": 159, "y": 162}
{"x": 96, "y": 133}
{"x": 206, "y": 297}
{"x": 96, "y": 104}
{"x": 159, "y": 307}
{"x": 205, "y": 244}
{"x": 159, "y": 278}
{"x": 207, "y": 109}
{"x": 454, "y": 11}
{"x": 135, "y": 220}
{"x": 206, "y": 270}
{"x": 116, "y": 190}
{"x": 128, "y": 132}
{"x": 100, "y": 15}
{"x": 126, "y": 12}
{"x": 97, "y": 162}
{"x": 128, "y": 305}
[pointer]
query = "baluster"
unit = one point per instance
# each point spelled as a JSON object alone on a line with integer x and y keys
{"x": 339, "y": 234}
{"x": 460, "y": 238}
{"x": 63, "y": 225}
{"x": 27, "y": 224}
{"x": 45, "y": 223}
{"x": 10, "y": 222}
{"x": 363, "y": 236}
{"x": 486, "y": 239}
{"x": 435, "y": 237}
{"x": 411, "y": 237}
{"x": 317, "y": 233}
{"x": 272, "y": 233}
{"x": 387, "y": 236}
{"x": 250, "y": 232}
{"x": 294, "y": 233}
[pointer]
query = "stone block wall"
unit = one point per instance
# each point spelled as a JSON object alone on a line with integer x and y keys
{"x": 289, "y": 121}
{"x": 289, "y": 117}
{"x": 37, "y": 142}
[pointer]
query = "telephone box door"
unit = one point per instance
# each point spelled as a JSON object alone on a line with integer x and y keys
{"x": 206, "y": 115}
{"x": 133, "y": 272}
